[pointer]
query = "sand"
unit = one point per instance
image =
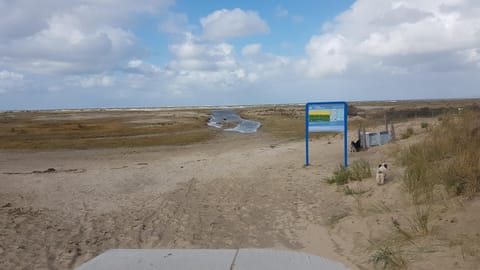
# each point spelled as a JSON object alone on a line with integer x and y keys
{"x": 237, "y": 191}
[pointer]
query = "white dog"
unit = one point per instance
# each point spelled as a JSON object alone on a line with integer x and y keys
{"x": 381, "y": 173}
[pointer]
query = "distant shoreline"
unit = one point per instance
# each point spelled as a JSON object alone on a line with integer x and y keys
{"x": 238, "y": 106}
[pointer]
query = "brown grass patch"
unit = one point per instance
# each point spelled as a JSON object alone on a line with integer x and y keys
{"x": 102, "y": 129}
{"x": 448, "y": 157}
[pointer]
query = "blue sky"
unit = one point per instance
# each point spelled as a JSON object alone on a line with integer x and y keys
{"x": 291, "y": 22}
{"x": 135, "y": 53}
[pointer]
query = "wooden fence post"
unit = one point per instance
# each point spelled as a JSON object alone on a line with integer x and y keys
{"x": 364, "y": 139}
{"x": 392, "y": 132}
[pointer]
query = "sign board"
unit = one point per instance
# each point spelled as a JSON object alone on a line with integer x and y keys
{"x": 326, "y": 117}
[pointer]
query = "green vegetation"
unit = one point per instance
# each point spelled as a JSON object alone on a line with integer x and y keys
{"x": 448, "y": 157}
{"x": 350, "y": 191}
{"x": 341, "y": 175}
{"x": 386, "y": 258}
{"x": 358, "y": 170}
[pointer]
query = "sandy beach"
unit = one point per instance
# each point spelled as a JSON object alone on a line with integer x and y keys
{"x": 60, "y": 208}
{"x": 239, "y": 192}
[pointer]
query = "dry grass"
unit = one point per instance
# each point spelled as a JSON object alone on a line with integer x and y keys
{"x": 354, "y": 191}
{"x": 288, "y": 121}
{"x": 340, "y": 176}
{"x": 101, "y": 129}
{"x": 448, "y": 157}
{"x": 105, "y": 129}
{"x": 279, "y": 121}
{"x": 386, "y": 257}
{"x": 358, "y": 170}
{"x": 408, "y": 133}
{"x": 420, "y": 223}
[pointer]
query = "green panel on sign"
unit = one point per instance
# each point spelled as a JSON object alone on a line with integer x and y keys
{"x": 318, "y": 118}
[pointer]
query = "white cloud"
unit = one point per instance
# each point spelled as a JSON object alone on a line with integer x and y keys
{"x": 81, "y": 48}
{"x": 251, "y": 49}
{"x": 24, "y": 18}
{"x": 102, "y": 81}
{"x": 197, "y": 63}
{"x": 326, "y": 54}
{"x": 135, "y": 63}
{"x": 405, "y": 35}
{"x": 91, "y": 81}
{"x": 204, "y": 66}
{"x": 225, "y": 24}
{"x": 175, "y": 23}
{"x": 10, "y": 81}
{"x": 472, "y": 55}
{"x": 440, "y": 33}
{"x": 9, "y": 75}
{"x": 194, "y": 54}
{"x": 79, "y": 36}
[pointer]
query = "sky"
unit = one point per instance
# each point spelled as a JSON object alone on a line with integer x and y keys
{"x": 152, "y": 53}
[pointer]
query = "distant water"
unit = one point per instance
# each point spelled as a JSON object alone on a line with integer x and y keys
{"x": 228, "y": 116}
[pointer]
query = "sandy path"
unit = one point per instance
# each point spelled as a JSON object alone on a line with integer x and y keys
{"x": 239, "y": 192}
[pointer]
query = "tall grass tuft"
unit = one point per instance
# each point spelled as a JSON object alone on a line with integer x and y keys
{"x": 357, "y": 171}
{"x": 450, "y": 156}
{"x": 340, "y": 176}
{"x": 360, "y": 169}
{"x": 387, "y": 258}
{"x": 408, "y": 133}
{"x": 421, "y": 220}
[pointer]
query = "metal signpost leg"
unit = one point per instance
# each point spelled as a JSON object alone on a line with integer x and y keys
{"x": 306, "y": 135}
{"x": 345, "y": 135}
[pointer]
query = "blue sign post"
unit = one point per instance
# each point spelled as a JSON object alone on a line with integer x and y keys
{"x": 326, "y": 117}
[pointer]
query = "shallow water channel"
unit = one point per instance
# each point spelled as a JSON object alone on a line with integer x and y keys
{"x": 219, "y": 118}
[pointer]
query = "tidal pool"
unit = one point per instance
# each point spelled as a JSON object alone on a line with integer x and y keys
{"x": 220, "y": 117}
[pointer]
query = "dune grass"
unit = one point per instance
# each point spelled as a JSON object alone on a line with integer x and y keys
{"x": 450, "y": 157}
{"x": 358, "y": 170}
{"x": 386, "y": 258}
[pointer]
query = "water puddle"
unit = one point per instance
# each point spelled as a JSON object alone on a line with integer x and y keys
{"x": 224, "y": 119}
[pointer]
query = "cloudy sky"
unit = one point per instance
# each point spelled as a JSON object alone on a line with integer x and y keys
{"x": 135, "y": 53}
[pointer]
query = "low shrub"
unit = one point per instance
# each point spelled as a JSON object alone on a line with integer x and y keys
{"x": 340, "y": 176}
{"x": 357, "y": 171}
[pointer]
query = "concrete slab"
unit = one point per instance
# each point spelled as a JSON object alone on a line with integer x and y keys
{"x": 266, "y": 259}
{"x": 208, "y": 259}
{"x": 149, "y": 259}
